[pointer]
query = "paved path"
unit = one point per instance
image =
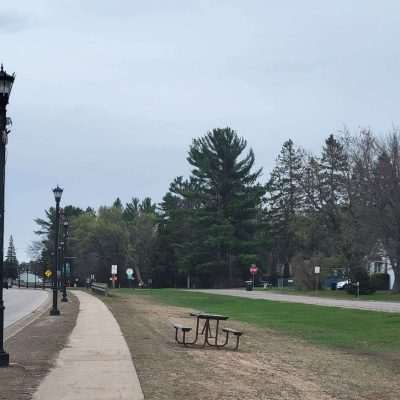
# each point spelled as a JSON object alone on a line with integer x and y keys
{"x": 96, "y": 363}
{"x": 355, "y": 304}
{"x": 21, "y": 302}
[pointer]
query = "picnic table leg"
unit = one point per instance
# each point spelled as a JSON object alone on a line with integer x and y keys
{"x": 194, "y": 341}
{"x": 209, "y": 330}
{"x": 237, "y": 342}
{"x": 216, "y": 333}
{"x": 184, "y": 338}
{"x": 177, "y": 339}
{"x": 176, "y": 335}
{"x": 206, "y": 328}
{"x": 197, "y": 330}
{"x": 217, "y": 345}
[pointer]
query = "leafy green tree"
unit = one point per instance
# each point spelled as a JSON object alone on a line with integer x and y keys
{"x": 142, "y": 229}
{"x": 386, "y": 195}
{"x": 357, "y": 218}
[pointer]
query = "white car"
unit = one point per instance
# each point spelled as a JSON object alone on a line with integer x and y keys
{"x": 342, "y": 284}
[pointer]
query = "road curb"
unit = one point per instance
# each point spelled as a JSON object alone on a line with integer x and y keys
{"x": 17, "y": 326}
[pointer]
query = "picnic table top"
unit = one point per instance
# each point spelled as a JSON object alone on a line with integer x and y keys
{"x": 203, "y": 315}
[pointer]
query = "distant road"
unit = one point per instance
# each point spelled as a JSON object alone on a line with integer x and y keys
{"x": 370, "y": 305}
{"x": 22, "y": 302}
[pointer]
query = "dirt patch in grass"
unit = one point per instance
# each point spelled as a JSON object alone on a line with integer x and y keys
{"x": 34, "y": 350}
{"x": 268, "y": 365}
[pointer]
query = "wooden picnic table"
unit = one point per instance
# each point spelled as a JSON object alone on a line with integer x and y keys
{"x": 207, "y": 330}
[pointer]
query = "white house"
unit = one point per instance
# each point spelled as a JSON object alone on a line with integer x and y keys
{"x": 381, "y": 265}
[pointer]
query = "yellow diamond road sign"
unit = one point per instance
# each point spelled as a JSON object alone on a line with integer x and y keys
{"x": 48, "y": 273}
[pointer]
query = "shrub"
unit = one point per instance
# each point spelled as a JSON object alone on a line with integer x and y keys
{"x": 361, "y": 276}
{"x": 380, "y": 281}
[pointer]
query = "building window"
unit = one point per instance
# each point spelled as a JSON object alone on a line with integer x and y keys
{"x": 378, "y": 267}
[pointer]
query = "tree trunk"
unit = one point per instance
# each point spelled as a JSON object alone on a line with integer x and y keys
{"x": 188, "y": 281}
{"x": 286, "y": 269}
{"x": 230, "y": 271}
{"x": 138, "y": 274}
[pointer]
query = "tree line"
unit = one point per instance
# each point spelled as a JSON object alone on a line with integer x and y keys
{"x": 336, "y": 209}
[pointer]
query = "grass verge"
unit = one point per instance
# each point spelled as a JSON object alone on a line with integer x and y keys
{"x": 337, "y": 294}
{"x": 351, "y": 329}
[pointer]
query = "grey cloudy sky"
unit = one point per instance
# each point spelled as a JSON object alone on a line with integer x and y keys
{"x": 109, "y": 94}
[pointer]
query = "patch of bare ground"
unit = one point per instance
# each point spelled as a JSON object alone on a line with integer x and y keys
{"x": 268, "y": 365}
{"x": 33, "y": 351}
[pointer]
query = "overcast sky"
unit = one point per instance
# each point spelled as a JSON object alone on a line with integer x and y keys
{"x": 109, "y": 94}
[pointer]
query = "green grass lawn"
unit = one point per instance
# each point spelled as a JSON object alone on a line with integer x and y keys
{"x": 337, "y": 294}
{"x": 351, "y": 329}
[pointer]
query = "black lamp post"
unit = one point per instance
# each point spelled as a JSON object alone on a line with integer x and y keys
{"x": 64, "y": 267}
{"x": 6, "y": 83}
{"x": 57, "y": 196}
{"x": 60, "y": 263}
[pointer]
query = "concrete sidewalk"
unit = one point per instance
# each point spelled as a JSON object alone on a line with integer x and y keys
{"x": 96, "y": 363}
{"x": 370, "y": 305}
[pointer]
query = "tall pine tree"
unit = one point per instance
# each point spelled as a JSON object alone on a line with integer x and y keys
{"x": 284, "y": 202}
{"x": 11, "y": 262}
{"x": 230, "y": 198}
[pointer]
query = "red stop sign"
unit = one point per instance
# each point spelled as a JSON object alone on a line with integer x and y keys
{"x": 253, "y": 269}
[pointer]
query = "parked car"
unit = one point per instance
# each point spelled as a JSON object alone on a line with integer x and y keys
{"x": 341, "y": 285}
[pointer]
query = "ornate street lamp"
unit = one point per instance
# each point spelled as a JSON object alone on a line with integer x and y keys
{"x": 64, "y": 264}
{"x": 57, "y": 196}
{"x": 6, "y": 83}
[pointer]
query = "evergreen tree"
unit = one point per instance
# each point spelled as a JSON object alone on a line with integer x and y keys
{"x": 180, "y": 244}
{"x": 11, "y": 262}
{"x": 333, "y": 194}
{"x": 229, "y": 199}
{"x": 334, "y": 166}
{"x": 325, "y": 187}
{"x": 118, "y": 203}
{"x": 131, "y": 210}
{"x": 147, "y": 206}
{"x": 284, "y": 202}
{"x": 42, "y": 249}
{"x": 11, "y": 253}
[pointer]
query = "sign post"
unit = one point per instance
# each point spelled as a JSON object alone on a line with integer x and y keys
{"x": 129, "y": 275}
{"x": 114, "y": 271}
{"x": 317, "y": 271}
{"x": 253, "y": 271}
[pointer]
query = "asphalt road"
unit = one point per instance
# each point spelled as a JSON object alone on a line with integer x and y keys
{"x": 21, "y": 302}
{"x": 370, "y": 305}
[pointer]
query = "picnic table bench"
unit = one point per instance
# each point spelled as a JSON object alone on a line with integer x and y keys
{"x": 206, "y": 332}
{"x": 234, "y": 332}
